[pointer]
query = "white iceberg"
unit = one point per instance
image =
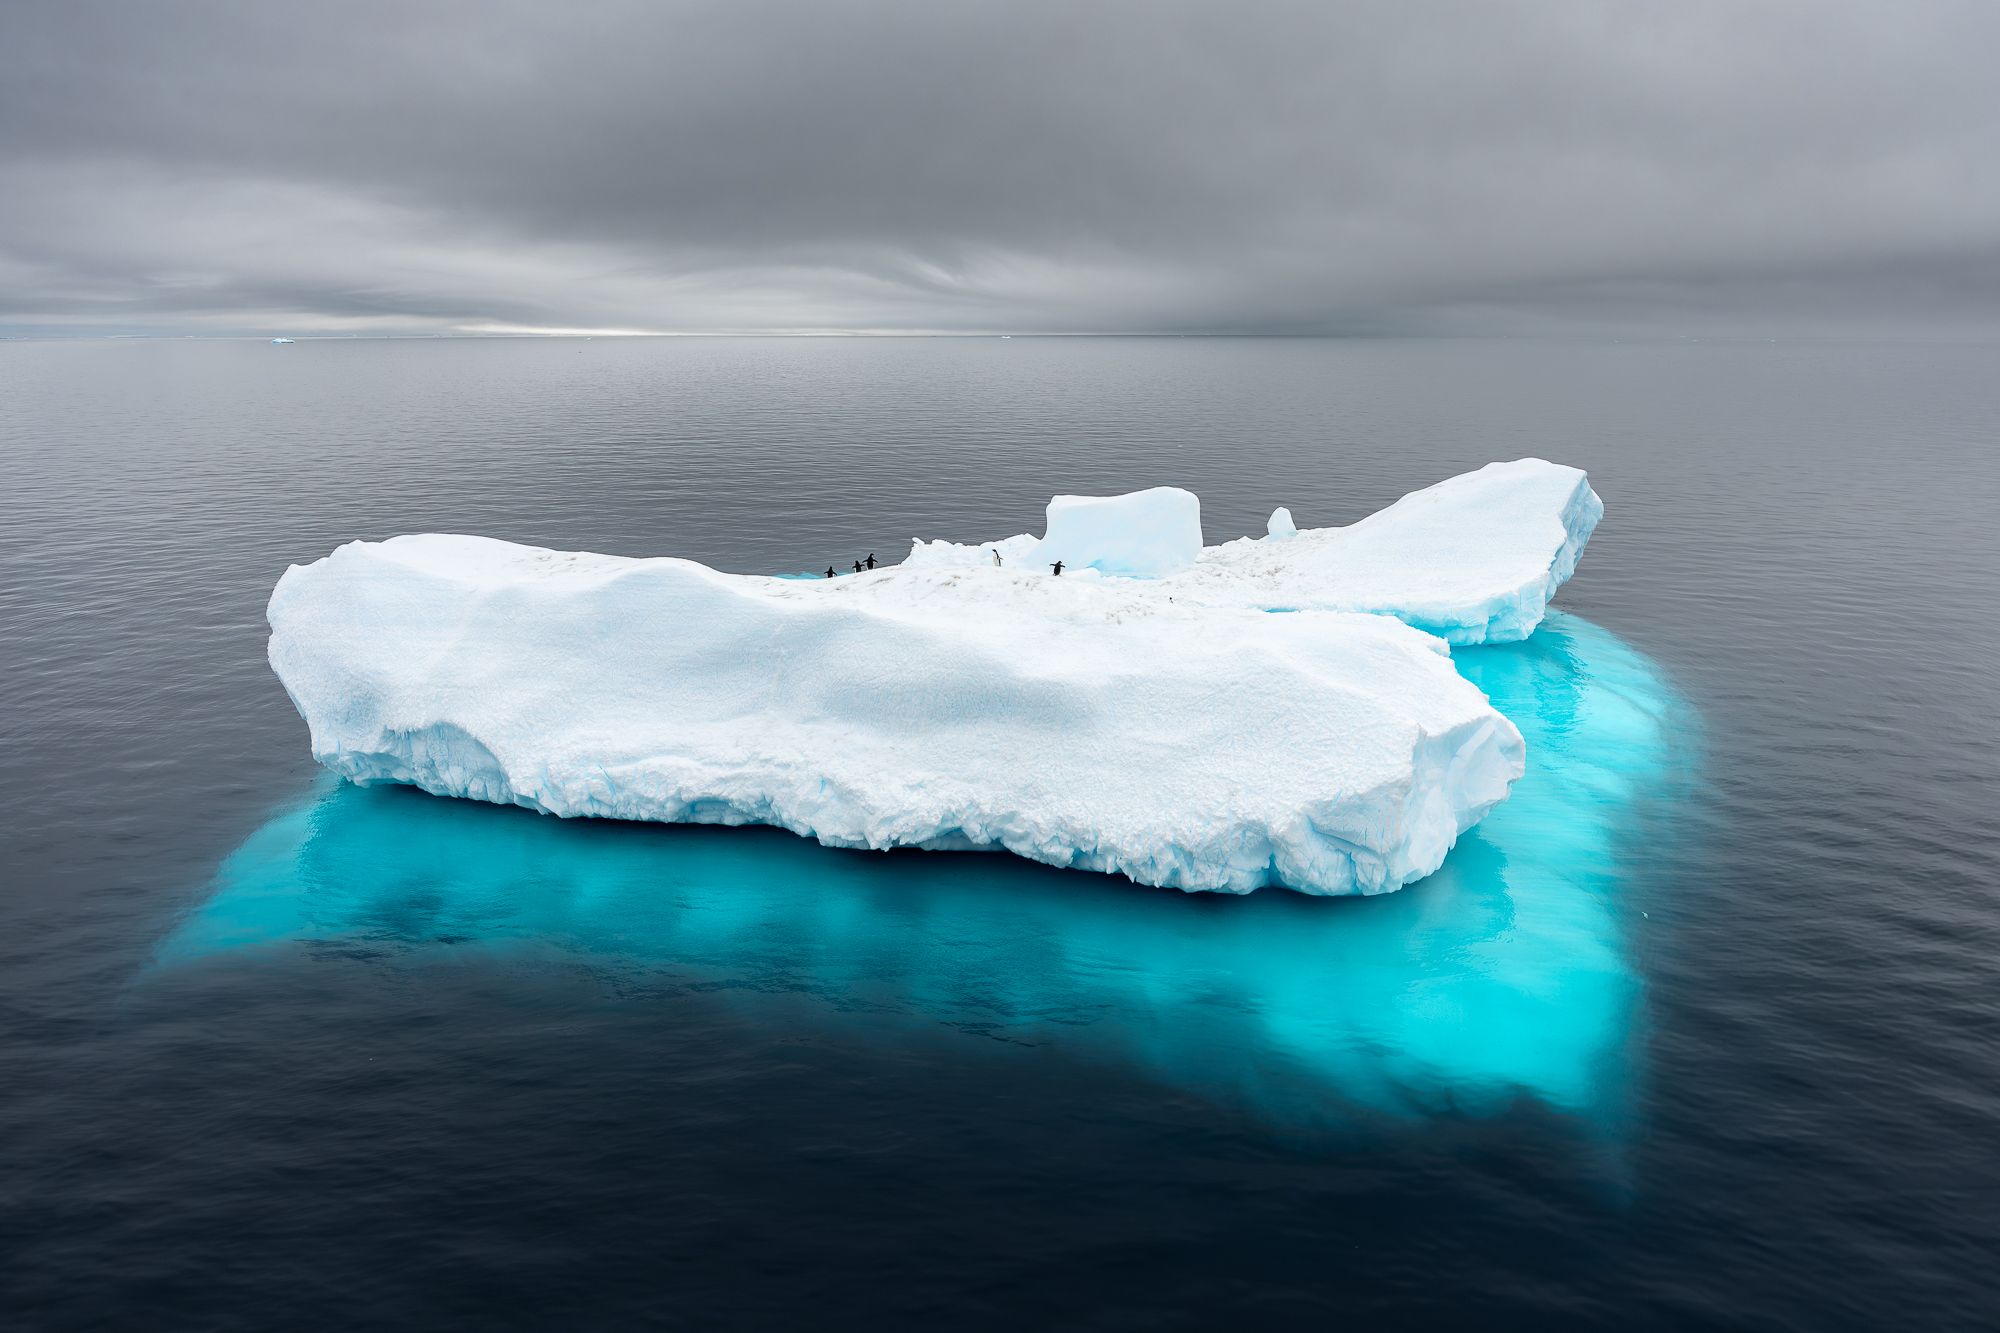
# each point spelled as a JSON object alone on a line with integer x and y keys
{"x": 1473, "y": 560}
{"x": 1084, "y": 722}
{"x": 1280, "y": 524}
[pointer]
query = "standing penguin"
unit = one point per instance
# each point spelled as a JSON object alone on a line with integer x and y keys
{"x": 857, "y": 566}
{"x": 829, "y": 571}
{"x": 1058, "y": 568}
{"x": 871, "y": 560}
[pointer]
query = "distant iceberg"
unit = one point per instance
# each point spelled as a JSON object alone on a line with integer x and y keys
{"x": 280, "y": 341}
{"x": 1164, "y": 728}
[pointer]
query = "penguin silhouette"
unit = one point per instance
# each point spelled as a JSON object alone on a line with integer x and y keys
{"x": 857, "y": 566}
{"x": 1058, "y": 568}
{"x": 871, "y": 560}
{"x": 829, "y": 571}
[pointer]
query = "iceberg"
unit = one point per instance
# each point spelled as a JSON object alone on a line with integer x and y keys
{"x": 1475, "y": 559}
{"x": 1148, "y": 716}
{"x": 1081, "y": 722}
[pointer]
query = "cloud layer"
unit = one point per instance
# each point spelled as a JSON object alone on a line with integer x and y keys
{"x": 781, "y": 165}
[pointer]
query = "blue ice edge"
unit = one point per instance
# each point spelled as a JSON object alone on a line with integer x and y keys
{"x": 1505, "y": 974}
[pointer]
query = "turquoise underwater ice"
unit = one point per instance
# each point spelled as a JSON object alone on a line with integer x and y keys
{"x": 1506, "y": 974}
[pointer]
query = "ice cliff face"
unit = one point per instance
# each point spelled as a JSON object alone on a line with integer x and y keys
{"x": 1167, "y": 728}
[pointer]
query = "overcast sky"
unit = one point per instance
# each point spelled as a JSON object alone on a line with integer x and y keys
{"x": 1074, "y": 166}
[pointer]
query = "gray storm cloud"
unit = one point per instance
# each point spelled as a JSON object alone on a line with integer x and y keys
{"x": 930, "y": 165}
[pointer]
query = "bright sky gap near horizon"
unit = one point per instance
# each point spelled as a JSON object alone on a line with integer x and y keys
{"x": 1768, "y": 167}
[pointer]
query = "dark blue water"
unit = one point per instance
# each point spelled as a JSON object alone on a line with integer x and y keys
{"x": 1700, "y": 1029}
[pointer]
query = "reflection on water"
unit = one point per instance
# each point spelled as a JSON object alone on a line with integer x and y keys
{"x": 1505, "y": 973}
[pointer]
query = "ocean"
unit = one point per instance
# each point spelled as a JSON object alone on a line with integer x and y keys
{"x": 1699, "y": 1029}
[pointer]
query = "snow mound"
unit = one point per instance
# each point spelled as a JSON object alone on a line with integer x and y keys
{"x": 1141, "y": 535}
{"x": 1474, "y": 559}
{"x": 1013, "y": 551}
{"x": 1090, "y": 722}
{"x": 1280, "y": 523}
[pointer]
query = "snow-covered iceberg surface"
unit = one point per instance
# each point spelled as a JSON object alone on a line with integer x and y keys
{"x": 1079, "y": 721}
{"x": 1474, "y": 559}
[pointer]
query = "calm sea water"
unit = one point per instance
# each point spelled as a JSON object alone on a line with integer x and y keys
{"x": 1700, "y": 1029}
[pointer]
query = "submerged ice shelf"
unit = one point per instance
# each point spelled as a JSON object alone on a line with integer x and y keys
{"x": 1165, "y": 728}
{"x": 1506, "y": 973}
